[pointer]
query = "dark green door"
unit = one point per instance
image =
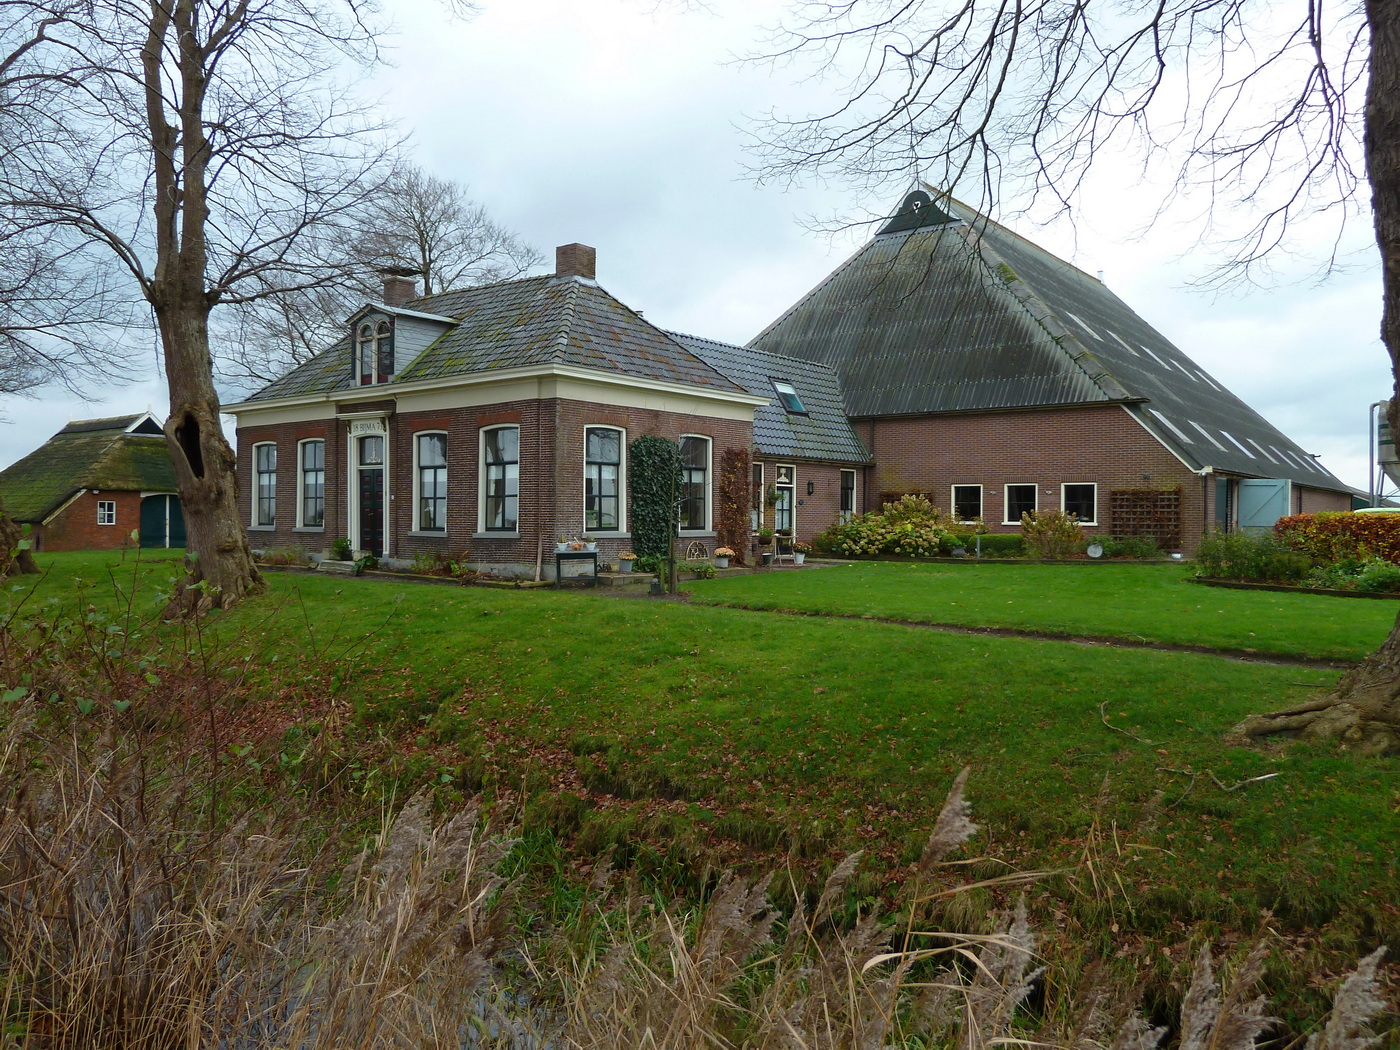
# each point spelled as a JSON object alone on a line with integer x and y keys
{"x": 162, "y": 522}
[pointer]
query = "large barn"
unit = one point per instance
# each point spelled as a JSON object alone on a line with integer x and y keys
{"x": 980, "y": 369}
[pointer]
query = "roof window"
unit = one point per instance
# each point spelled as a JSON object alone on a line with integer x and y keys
{"x": 787, "y": 395}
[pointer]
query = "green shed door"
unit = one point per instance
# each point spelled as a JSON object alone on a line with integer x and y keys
{"x": 1262, "y": 502}
{"x": 162, "y": 522}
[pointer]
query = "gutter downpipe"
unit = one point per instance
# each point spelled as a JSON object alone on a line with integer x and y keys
{"x": 1205, "y": 473}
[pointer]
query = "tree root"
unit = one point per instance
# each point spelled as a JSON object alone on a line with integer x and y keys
{"x": 1330, "y": 719}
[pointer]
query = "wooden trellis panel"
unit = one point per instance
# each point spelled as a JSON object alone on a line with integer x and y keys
{"x": 1146, "y": 512}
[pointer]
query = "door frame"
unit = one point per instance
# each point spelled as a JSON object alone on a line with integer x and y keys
{"x": 358, "y": 425}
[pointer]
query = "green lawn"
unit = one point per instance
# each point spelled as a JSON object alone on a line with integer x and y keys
{"x": 697, "y": 726}
{"x": 1146, "y": 602}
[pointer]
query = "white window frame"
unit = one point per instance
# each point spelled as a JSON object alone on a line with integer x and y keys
{"x": 1066, "y": 484}
{"x": 1006, "y": 500}
{"x": 481, "y": 480}
{"x": 301, "y": 484}
{"x": 111, "y": 505}
{"x": 778, "y": 469}
{"x": 621, "y": 479}
{"x": 844, "y": 515}
{"x": 256, "y": 501}
{"x": 416, "y": 522}
{"x": 756, "y": 511}
{"x": 709, "y": 485}
{"x": 953, "y": 503}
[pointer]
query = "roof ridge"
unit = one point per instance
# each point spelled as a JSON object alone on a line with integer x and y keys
{"x": 478, "y": 288}
{"x": 752, "y": 349}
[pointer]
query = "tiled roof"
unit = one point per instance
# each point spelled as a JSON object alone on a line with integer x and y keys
{"x": 964, "y": 315}
{"x": 535, "y": 321}
{"x": 89, "y": 454}
{"x": 824, "y": 433}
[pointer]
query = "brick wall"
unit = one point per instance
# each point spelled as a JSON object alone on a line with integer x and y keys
{"x": 76, "y": 529}
{"x": 815, "y": 512}
{"x": 1312, "y": 501}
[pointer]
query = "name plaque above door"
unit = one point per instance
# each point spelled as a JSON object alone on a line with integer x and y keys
{"x": 361, "y": 427}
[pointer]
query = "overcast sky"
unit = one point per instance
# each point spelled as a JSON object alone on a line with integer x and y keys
{"x": 622, "y": 124}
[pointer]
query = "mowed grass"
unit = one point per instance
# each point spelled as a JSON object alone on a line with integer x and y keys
{"x": 1156, "y": 603}
{"x": 630, "y": 721}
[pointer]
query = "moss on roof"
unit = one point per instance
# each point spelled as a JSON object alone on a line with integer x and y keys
{"x": 83, "y": 457}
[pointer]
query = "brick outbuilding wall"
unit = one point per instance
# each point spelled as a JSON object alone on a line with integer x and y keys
{"x": 76, "y": 528}
{"x": 815, "y": 512}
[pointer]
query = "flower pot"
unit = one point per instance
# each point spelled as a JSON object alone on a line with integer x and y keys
{"x": 767, "y": 557}
{"x": 624, "y": 565}
{"x": 560, "y": 548}
{"x": 721, "y": 563}
{"x": 798, "y": 557}
{"x": 590, "y": 547}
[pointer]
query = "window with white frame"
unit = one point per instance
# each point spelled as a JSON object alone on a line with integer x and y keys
{"x": 695, "y": 483}
{"x": 967, "y": 502}
{"x": 1080, "y": 501}
{"x": 374, "y": 352}
{"x": 784, "y": 497}
{"x": 312, "y": 493}
{"x": 383, "y": 351}
{"x": 430, "y": 455}
{"x": 1020, "y": 499}
{"x": 500, "y": 479}
{"x": 364, "y": 351}
{"x": 265, "y": 484}
{"x": 106, "y": 512}
{"x": 756, "y": 497}
{"x": 602, "y": 479}
{"x": 848, "y": 495}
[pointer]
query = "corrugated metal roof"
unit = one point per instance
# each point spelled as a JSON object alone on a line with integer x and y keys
{"x": 514, "y": 324}
{"x": 970, "y": 316}
{"x": 824, "y": 433}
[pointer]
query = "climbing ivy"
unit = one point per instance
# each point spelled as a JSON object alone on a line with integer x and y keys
{"x": 654, "y": 481}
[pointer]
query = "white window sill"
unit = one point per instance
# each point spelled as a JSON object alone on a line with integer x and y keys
{"x": 262, "y": 528}
{"x": 433, "y": 534}
{"x": 1011, "y": 523}
{"x": 607, "y": 534}
{"x": 496, "y": 535}
{"x": 698, "y": 534}
{"x": 310, "y": 528}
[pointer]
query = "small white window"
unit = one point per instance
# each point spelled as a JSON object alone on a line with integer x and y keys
{"x": 603, "y": 500}
{"x": 756, "y": 497}
{"x": 500, "y": 479}
{"x": 848, "y": 495}
{"x": 265, "y": 485}
{"x": 430, "y": 481}
{"x": 967, "y": 502}
{"x": 311, "y": 492}
{"x": 1020, "y": 499}
{"x": 1080, "y": 501}
{"x": 695, "y": 483}
{"x": 106, "y": 512}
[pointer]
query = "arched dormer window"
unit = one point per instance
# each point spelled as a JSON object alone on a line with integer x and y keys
{"x": 374, "y": 352}
{"x": 364, "y": 351}
{"x": 384, "y": 350}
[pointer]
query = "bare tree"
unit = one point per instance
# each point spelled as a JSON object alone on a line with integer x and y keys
{"x": 201, "y": 144}
{"x": 1271, "y": 118}
{"x": 419, "y": 223}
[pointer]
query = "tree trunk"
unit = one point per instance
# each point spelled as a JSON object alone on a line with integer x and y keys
{"x": 14, "y": 559}
{"x": 221, "y": 567}
{"x": 1363, "y": 711}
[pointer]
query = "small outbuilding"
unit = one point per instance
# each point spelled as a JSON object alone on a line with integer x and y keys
{"x": 96, "y": 484}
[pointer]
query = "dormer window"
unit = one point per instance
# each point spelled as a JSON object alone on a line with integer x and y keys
{"x": 374, "y": 352}
{"x": 787, "y": 397}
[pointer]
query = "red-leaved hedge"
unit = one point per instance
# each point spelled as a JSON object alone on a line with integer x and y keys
{"x": 1340, "y": 534}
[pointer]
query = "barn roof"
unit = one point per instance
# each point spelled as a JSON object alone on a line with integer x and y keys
{"x": 946, "y": 311}
{"x": 822, "y": 432}
{"x": 118, "y": 454}
{"x": 513, "y": 324}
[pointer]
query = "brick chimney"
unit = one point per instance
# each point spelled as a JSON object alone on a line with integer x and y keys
{"x": 399, "y": 285}
{"x": 575, "y": 260}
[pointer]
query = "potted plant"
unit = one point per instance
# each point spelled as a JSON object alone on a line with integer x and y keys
{"x": 625, "y": 560}
{"x": 800, "y": 552}
{"x": 341, "y": 550}
{"x": 589, "y": 543}
{"x": 765, "y": 537}
{"x": 722, "y": 556}
{"x": 561, "y": 542}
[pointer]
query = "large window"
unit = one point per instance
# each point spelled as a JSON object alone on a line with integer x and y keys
{"x": 374, "y": 352}
{"x": 785, "y": 491}
{"x": 313, "y": 484}
{"x": 1020, "y": 499}
{"x": 500, "y": 473}
{"x": 602, "y": 479}
{"x": 265, "y": 486}
{"x": 106, "y": 512}
{"x": 967, "y": 502}
{"x": 848, "y": 495}
{"x": 430, "y": 451}
{"x": 695, "y": 484}
{"x": 756, "y": 497}
{"x": 1081, "y": 502}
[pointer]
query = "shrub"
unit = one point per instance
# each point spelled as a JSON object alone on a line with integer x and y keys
{"x": 910, "y": 525}
{"x": 1355, "y": 574}
{"x": 1333, "y": 535}
{"x": 342, "y": 550}
{"x": 654, "y": 481}
{"x": 703, "y": 570}
{"x": 1246, "y": 556}
{"x": 1130, "y": 547}
{"x": 732, "y": 505}
{"x": 1051, "y": 534}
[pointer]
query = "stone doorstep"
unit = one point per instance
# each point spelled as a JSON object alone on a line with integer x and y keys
{"x": 338, "y": 568}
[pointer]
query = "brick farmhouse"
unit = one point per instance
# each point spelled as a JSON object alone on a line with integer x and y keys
{"x": 94, "y": 485}
{"x": 948, "y": 357}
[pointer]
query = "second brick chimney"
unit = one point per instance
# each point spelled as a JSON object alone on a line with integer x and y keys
{"x": 575, "y": 260}
{"x": 399, "y": 286}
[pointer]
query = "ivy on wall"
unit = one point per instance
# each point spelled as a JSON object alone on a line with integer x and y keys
{"x": 654, "y": 481}
{"x": 732, "y": 511}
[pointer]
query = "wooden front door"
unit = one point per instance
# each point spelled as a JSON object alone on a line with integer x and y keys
{"x": 371, "y": 486}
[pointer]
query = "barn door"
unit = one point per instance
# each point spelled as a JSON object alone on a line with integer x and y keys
{"x": 162, "y": 523}
{"x": 1262, "y": 501}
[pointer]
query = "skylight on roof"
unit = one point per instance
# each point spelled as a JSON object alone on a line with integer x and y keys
{"x": 1208, "y": 435}
{"x": 1262, "y": 449}
{"x": 1172, "y": 426}
{"x": 787, "y": 396}
{"x": 1232, "y": 440}
{"x": 1212, "y": 382}
{"x": 1125, "y": 344}
{"x": 1080, "y": 322}
{"x": 1154, "y": 357}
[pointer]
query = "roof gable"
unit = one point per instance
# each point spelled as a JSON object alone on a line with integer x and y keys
{"x": 967, "y": 316}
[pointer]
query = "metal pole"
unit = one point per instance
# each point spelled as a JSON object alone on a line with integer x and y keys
{"x": 1372, "y": 425}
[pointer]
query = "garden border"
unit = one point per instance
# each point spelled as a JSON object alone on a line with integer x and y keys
{"x": 1283, "y": 588}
